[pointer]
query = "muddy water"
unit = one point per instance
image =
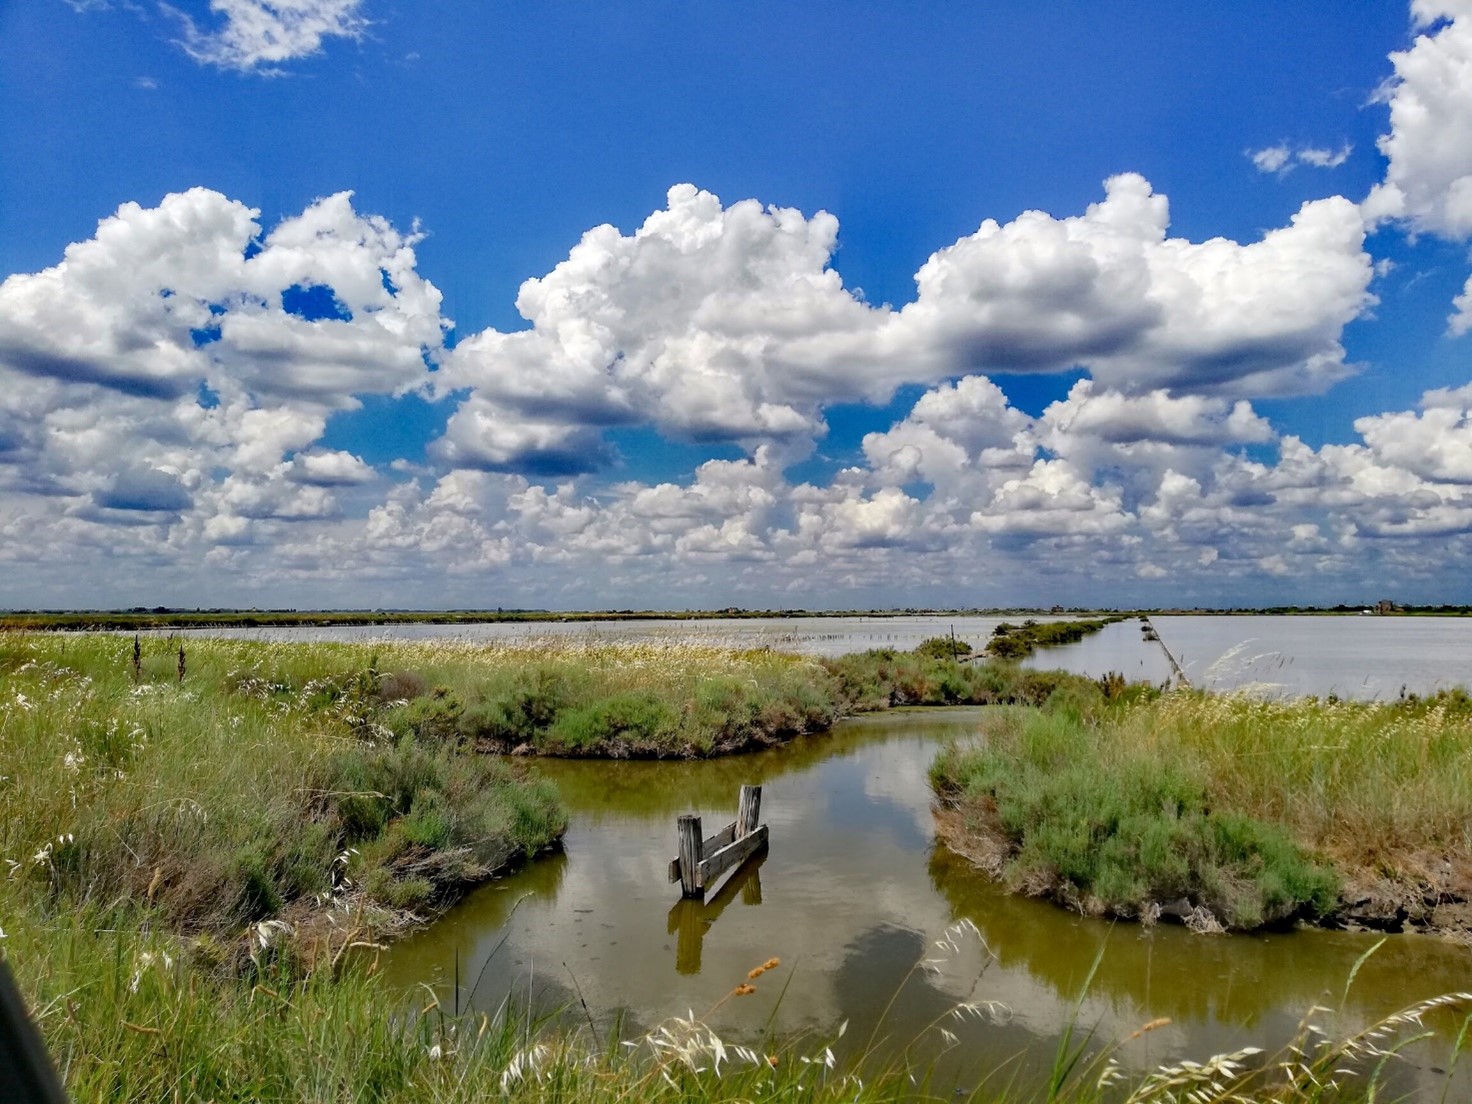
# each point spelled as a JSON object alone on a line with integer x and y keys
{"x": 852, "y": 894}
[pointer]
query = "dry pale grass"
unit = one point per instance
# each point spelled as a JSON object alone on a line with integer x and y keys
{"x": 1377, "y": 786}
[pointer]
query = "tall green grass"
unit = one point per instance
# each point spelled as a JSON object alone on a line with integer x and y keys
{"x": 1009, "y": 641}
{"x": 1254, "y": 811}
{"x": 256, "y": 789}
{"x": 1376, "y": 785}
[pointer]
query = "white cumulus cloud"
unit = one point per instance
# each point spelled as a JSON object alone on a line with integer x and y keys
{"x": 175, "y": 370}
{"x": 717, "y": 323}
{"x": 1110, "y": 292}
{"x": 1155, "y": 416}
{"x": 1428, "y": 181}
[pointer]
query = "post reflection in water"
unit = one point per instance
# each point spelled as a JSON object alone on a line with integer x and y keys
{"x": 852, "y": 892}
{"x": 691, "y": 917}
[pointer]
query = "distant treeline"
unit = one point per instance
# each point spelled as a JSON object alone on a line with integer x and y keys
{"x": 159, "y": 617}
{"x": 142, "y": 619}
{"x": 1396, "y": 610}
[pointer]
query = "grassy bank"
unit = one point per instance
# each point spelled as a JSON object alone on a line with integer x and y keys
{"x": 883, "y": 678}
{"x": 253, "y": 791}
{"x": 1227, "y": 809}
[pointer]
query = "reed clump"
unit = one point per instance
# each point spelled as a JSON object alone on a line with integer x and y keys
{"x": 586, "y": 698}
{"x": 1253, "y": 811}
{"x": 257, "y": 790}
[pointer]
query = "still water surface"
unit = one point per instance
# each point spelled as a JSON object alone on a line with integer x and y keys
{"x": 1369, "y": 658}
{"x": 853, "y": 892}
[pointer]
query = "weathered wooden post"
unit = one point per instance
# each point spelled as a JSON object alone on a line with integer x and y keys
{"x": 748, "y": 809}
{"x": 690, "y": 840}
{"x": 701, "y": 861}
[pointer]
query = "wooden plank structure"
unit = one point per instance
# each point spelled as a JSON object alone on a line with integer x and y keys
{"x": 702, "y": 860}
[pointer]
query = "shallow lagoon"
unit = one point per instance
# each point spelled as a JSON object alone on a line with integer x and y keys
{"x": 852, "y": 894}
{"x": 1369, "y": 658}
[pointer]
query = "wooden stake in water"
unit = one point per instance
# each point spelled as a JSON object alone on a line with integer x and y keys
{"x": 689, "y": 834}
{"x": 748, "y": 809}
{"x": 701, "y": 861}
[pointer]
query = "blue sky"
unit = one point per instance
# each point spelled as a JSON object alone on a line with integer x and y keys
{"x": 1240, "y": 380}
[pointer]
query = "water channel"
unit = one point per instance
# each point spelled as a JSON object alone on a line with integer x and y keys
{"x": 854, "y": 891}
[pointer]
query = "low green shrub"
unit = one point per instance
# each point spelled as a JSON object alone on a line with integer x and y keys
{"x": 637, "y": 718}
{"x": 258, "y": 896}
{"x": 943, "y": 647}
{"x": 521, "y": 710}
{"x": 433, "y": 716}
{"x": 1119, "y": 832}
{"x": 429, "y": 823}
{"x": 724, "y": 713}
